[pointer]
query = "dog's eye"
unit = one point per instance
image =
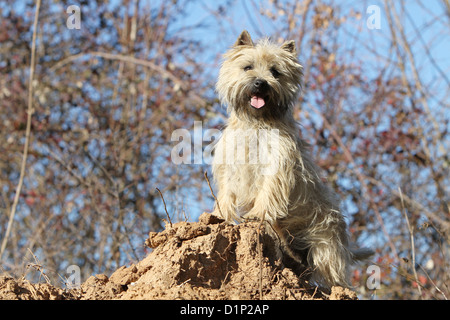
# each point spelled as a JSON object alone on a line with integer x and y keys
{"x": 247, "y": 68}
{"x": 274, "y": 72}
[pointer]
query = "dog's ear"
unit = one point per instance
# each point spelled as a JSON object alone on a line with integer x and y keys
{"x": 244, "y": 39}
{"x": 289, "y": 46}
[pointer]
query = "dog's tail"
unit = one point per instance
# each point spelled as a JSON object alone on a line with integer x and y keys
{"x": 361, "y": 254}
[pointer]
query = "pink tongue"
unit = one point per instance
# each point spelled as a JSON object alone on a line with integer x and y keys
{"x": 257, "y": 102}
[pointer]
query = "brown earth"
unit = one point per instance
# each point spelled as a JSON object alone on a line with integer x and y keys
{"x": 209, "y": 259}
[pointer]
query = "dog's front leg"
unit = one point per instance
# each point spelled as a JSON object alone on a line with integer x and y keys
{"x": 225, "y": 206}
{"x": 272, "y": 200}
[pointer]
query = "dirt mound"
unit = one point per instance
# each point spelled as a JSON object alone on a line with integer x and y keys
{"x": 209, "y": 259}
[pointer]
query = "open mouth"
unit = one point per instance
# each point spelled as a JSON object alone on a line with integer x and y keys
{"x": 257, "y": 102}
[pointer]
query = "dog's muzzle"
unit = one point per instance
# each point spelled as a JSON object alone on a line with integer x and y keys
{"x": 259, "y": 93}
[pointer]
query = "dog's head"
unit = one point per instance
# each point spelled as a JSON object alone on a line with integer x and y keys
{"x": 260, "y": 81}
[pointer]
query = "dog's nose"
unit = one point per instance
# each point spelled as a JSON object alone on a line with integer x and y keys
{"x": 260, "y": 84}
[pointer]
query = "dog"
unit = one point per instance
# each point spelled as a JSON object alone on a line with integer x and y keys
{"x": 263, "y": 169}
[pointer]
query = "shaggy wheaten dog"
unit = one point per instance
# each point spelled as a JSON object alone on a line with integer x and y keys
{"x": 263, "y": 170}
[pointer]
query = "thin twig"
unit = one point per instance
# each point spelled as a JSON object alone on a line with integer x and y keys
{"x": 30, "y": 112}
{"x": 165, "y": 208}
{"x": 432, "y": 282}
{"x": 413, "y": 254}
{"x": 217, "y": 201}
{"x": 37, "y": 266}
{"x": 259, "y": 244}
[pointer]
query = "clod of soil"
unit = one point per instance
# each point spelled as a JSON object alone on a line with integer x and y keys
{"x": 208, "y": 259}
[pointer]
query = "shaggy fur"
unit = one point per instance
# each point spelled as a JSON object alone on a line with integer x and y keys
{"x": 262, "y": 168}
